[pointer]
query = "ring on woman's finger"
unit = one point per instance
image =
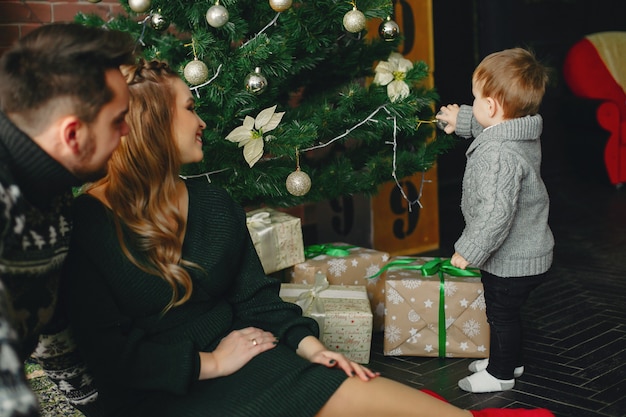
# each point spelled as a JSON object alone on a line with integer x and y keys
{"x": 254, "y": 342}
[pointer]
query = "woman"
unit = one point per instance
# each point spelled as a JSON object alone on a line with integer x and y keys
{"x": 169, "y": 302}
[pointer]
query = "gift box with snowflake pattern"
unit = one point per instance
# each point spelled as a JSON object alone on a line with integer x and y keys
{"x": 353, "y": 267}
{"x": 438, "y": 315}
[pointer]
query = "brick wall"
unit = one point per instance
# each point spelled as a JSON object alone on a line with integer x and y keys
{"x": 18, "y": 17}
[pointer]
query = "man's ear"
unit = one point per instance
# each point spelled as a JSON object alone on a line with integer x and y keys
{"x": 71, "y": 129}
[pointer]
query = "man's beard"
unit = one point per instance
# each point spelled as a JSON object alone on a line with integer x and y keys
{"x": 91, "y": 176}
{"x": 82, "y": 170}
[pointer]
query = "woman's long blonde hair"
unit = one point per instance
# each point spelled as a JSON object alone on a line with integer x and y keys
{"x": 141, "y": 183}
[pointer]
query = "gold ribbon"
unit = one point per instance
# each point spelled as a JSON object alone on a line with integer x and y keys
{"x": 311, "y": 302}
{"x": 259, "y": 220}
{"x": 263, "y": 239}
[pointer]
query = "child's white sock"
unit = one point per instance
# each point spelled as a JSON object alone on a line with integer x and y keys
{"x": 482, "y": 364}
{"x": 483, "y": 381}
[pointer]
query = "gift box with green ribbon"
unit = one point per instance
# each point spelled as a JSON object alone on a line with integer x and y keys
{"x": 434, "y": 309}
{"x": 346, "y": 264}
{"x": 342, "y": 313}
{"x": 277, "y": 238}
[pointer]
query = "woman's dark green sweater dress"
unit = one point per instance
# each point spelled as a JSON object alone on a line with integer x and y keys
{"x": 146, "y": 364}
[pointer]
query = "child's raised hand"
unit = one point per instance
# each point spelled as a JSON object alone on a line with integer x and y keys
{"x": 447, "y": 114}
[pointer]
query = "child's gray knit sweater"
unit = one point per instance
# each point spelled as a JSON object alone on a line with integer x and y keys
{"x": 504, "y": 203}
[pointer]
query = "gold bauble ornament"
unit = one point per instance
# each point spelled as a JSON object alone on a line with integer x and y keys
{"x": 196, "y": 72}
{"x": 354, "y": 21}
{"x": 139, "y": 6}
{"x": 255, "y": 82}
{"x": 280, "y": 5}
{"x": 217, "y": 16}
{"x": 298, "y": 183}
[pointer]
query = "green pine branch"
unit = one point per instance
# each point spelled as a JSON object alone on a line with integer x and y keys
{"x": 318, "y": 74}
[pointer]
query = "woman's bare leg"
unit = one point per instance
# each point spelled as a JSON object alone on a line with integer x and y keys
{"x": 382, "y": 397}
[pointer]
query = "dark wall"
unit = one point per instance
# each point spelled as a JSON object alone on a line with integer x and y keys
{"x": 465, "y": 31}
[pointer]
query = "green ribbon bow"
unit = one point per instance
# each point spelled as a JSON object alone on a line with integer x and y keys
{"x": 441, "y": 267}
{"x": 332, "y": 250}
{"x": 436, "y": 266}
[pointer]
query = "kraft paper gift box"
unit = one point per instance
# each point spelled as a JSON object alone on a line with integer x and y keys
{"x": 277, "y": 238}
{"x": 431, "y": 311}
{"x": 345, "y": 264}
{"x": 342, "y": 312}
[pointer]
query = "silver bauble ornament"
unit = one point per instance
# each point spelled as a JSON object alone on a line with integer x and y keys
{"x": 139, "y": 6}
{"x": 255, "y": 82}
{"x": 280, "y": 5}
{"x": 389, "y": 30}
{"x": 158, "y": 22}
{"x": 441, "y": 124}
{"x": 217, "y": 16}
{"x": 196, "y": 72}
{"x": 298, "y": 183}
{"x": 354, "y": 20}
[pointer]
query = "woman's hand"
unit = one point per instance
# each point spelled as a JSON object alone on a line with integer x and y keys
{"x": 334, "y": 359}
{"x": 312, "y": 349}
{"x": 234, "y": 351}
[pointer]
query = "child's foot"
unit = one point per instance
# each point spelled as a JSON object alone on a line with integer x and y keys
{"x": 482, "y": 364}
{"x": 483, "y": 381}
{"x": 512, "y": 412}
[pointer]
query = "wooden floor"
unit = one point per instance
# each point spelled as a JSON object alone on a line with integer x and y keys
{"x": 575, "y": 323}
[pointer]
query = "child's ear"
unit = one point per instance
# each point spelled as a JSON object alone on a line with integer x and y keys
{"x": 493, "y": 106}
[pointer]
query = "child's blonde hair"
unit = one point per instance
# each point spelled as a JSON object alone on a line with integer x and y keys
{"x": 515, "y": 78}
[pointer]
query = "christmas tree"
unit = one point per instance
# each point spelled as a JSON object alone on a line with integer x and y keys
{"x": 301, "y": 103}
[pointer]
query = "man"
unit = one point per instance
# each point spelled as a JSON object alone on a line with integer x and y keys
{"x": 63, "y": 103}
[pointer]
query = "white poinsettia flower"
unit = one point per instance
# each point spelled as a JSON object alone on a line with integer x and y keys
{"x": 250, "y": 133}
{"x": 392, "y": 74}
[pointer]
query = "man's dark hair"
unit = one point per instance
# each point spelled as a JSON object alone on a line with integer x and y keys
{"x": 62, "y": 60}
